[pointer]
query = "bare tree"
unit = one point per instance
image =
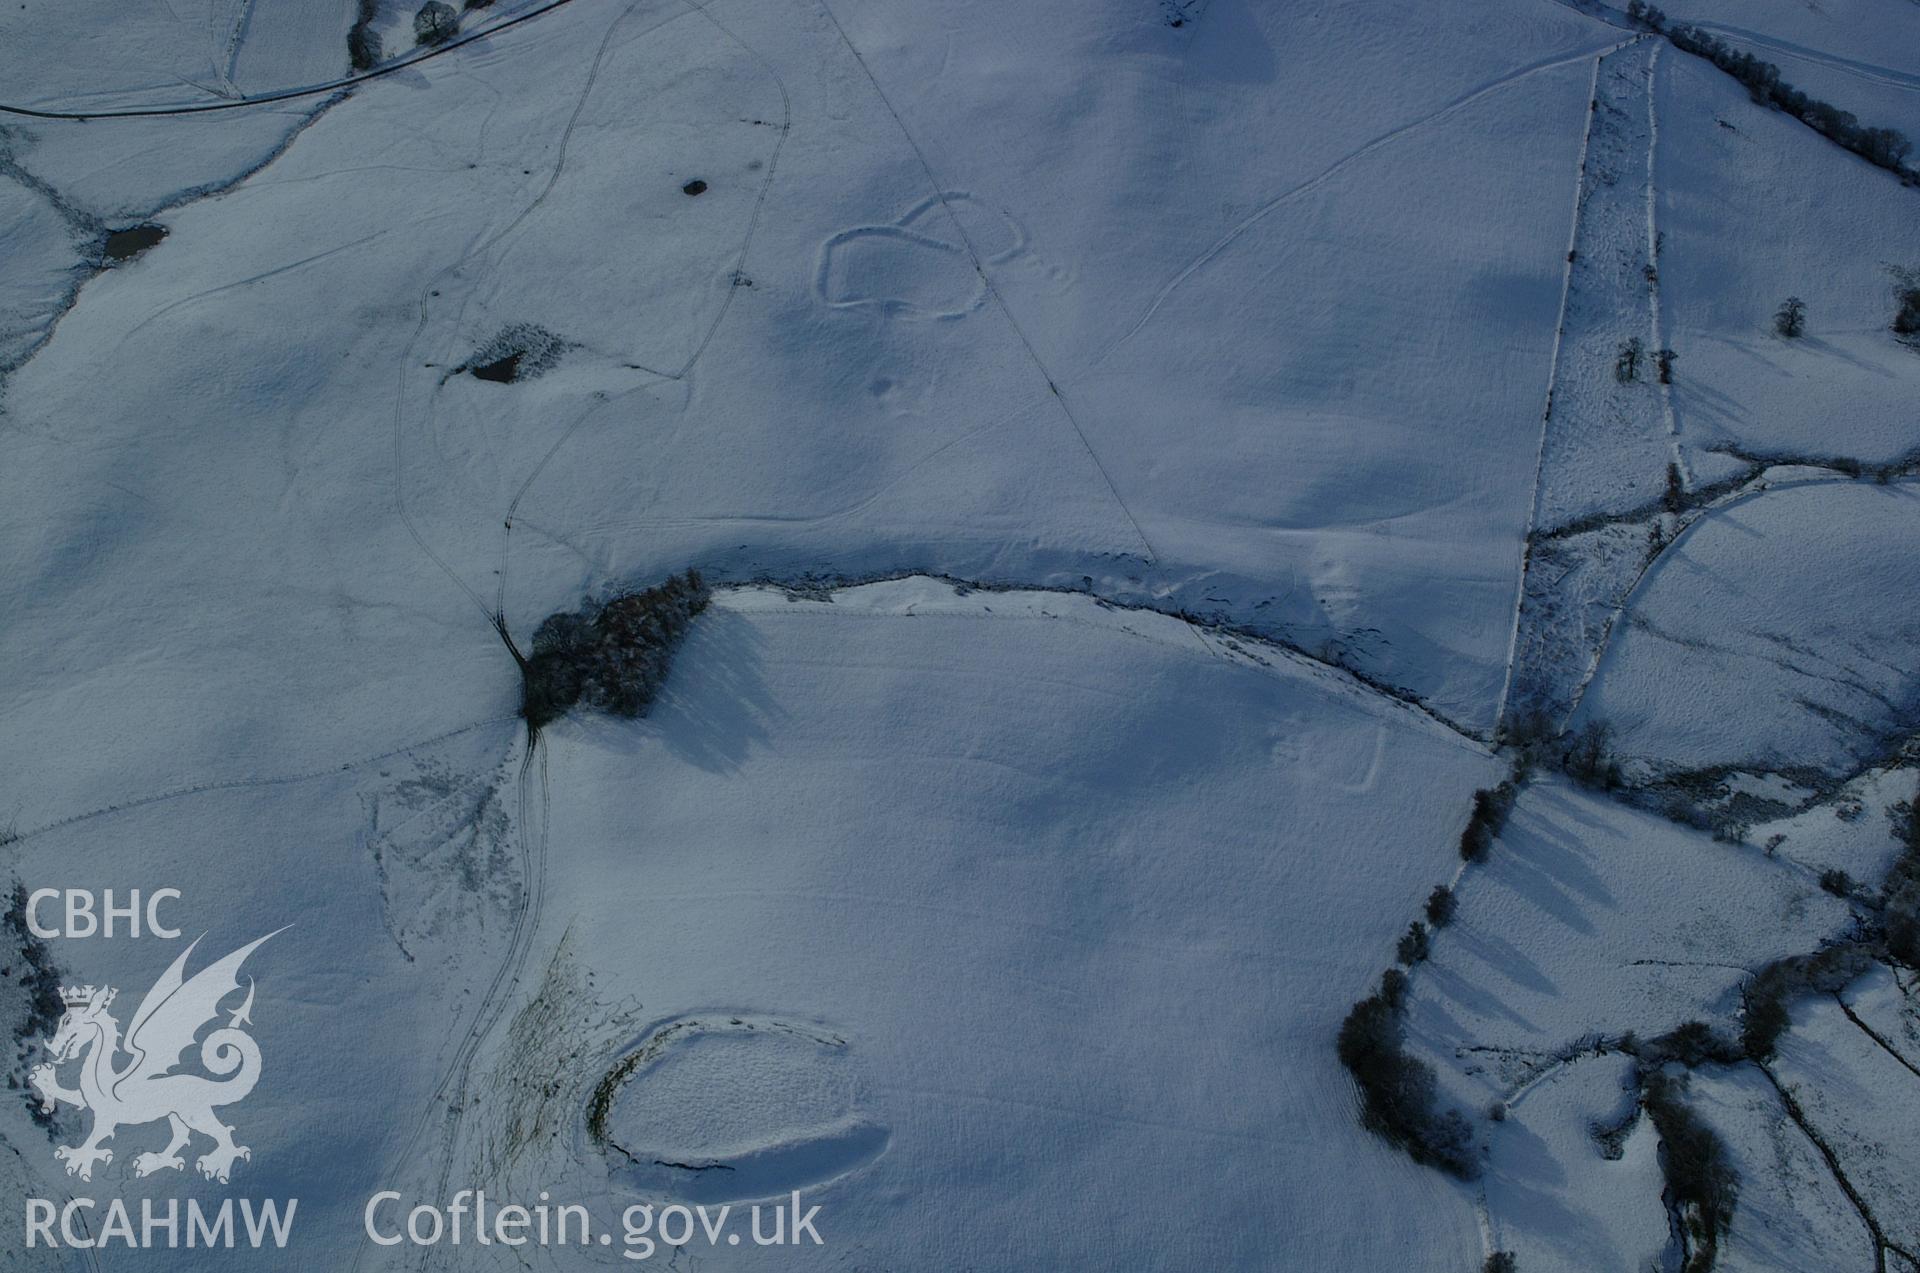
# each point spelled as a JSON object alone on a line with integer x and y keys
{"x": 1791, "y": 318}
{"x": 436, "y": 23}
{"x": 1626, "y": 364}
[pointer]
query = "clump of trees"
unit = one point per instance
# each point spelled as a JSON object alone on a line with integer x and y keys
{"x": 1767, "y": 995}
{"x": 1583, "y": 754}
{"x": 1398, "y": 1099}
{"x": 38, "y": 977}
{"x": 1491, "y": 805}
{"x": 1790, "y": 320}
{"x": 1900, "y": 895}
{"x": 1414, "y": 944}
{"x": 1500, "y": 1262}
{"x": 1626, "y": 362}
{"x": 613, "y": 657}
{"x": 363, "y": 42}
{"x": 1441, "y": 905}
{"x": 1586, "y": 758}
{"x": 435, "y": 23}
{"x": 1692, "y": 1044}
{"x": 1884, "y": 147}
{"x": 1702, "y": 1186}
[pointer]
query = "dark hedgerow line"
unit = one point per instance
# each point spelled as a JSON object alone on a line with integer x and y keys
{"x": 1398, "y": 1097}
{"x": 1886, "y": 148}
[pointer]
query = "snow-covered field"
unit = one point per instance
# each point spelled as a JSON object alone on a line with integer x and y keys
{"x": 1155, "y": 461}
{"x": 1750, "y": 220}
{"x": 1813, "y": 639}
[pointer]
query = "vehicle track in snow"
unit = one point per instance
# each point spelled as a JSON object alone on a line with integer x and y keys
{"x": 235, "y": 784}
{"x": 726, "y": 301}
{"x": 453, "y": 1090}
{"x": 443, "y": 1104}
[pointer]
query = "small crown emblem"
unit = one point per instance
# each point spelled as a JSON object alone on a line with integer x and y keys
{"x": 76, "y": 996}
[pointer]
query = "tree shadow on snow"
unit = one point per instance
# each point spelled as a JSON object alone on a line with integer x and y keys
{"x": 716, "y": 706}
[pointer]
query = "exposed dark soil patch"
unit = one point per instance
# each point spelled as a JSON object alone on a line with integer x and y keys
{"x": 521, "y": 351}
{"x": 1180, "y": 13}
{"x": 124, "y": 245}
{"x": 503, "y": 371}
{"x": 694, "y": 187}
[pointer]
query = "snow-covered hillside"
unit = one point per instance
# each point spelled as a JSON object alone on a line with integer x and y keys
{"x": 1154, "y": 461}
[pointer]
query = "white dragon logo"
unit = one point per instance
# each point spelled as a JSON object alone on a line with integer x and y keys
{"x": 143, "y": 1090}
